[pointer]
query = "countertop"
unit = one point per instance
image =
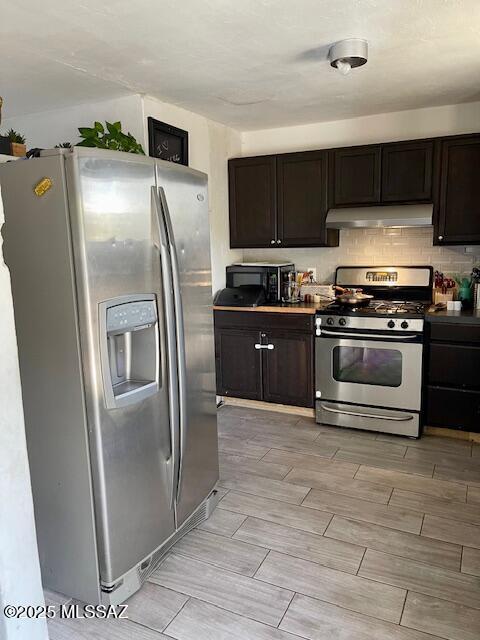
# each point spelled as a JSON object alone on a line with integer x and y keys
{"x": 458, "y": 317}
{"x": 302, "y": 307}
{"x": 470, "y": 316}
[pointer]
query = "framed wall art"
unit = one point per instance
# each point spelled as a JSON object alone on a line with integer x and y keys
{"x": 167, "y": 142}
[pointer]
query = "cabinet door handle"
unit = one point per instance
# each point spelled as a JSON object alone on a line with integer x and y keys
{"x": 279, "y": 242}
{"x": 265, "y": 346}
{"x": 440, "y": 237}
{"x": 272, "y": 241}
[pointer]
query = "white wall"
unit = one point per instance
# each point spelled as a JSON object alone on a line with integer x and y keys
{"x": 384, "y": 127}
{"x": 48, "y": 128}
{"x": 370, "y": 246}
{"x": 19, "y": 566}
{"x": 210, "y": 146}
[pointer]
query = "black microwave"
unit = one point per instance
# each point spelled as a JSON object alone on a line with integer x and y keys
{"x": 271, "y": 276}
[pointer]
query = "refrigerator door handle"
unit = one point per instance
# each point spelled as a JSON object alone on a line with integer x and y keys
{"x": 181, "y": 358}
{"x": 169, "y": 306}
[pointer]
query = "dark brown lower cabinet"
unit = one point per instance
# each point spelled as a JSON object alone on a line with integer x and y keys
{"x": 287, "y": 369}
{"x": 280, "y": 371}
{"x": 453, "y": 408}
{"x": 238, "y": 366}
{"x": 452, "y": 396}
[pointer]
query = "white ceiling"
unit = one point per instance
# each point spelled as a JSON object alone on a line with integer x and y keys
{"x": 250, "y": 64}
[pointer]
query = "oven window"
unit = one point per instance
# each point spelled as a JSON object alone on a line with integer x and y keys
{"x": 241, "y": 279}
{"x": 367, "y": 365}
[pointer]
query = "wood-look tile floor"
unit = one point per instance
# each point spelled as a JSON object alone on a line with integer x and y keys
{"x": 321, "y": 534}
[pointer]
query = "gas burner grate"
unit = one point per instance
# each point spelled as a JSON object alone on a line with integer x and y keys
{"x": 387, "y": 307}
{"x": 381, "y": 306}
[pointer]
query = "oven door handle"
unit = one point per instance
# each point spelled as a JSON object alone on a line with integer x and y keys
{"x": 324, "y": 332}
{"x": 361, "y": 414}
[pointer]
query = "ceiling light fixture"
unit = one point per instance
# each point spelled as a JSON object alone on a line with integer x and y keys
{"x": 345, "y": 55}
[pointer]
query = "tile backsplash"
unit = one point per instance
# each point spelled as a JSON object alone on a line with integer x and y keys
{"x": 381, "y": 247}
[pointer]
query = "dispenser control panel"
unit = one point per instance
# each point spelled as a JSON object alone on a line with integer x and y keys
{"x": 131, "y": 316}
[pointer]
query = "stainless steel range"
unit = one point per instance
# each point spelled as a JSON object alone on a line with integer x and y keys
{"x": 368, "y": 369}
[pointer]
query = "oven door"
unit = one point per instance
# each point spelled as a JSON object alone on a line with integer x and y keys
{"x": 381, "y": 372}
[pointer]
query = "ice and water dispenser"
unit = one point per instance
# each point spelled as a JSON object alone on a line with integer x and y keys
{"x": 130, "y": 350}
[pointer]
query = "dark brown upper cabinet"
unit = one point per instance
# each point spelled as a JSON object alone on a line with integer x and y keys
{"x": 252, "y": 200}
{"x": 407, "y": 170}
{"x": 278, "y": 201}
{"x": 355, "y": 177}
{"x": 459, "y": 203}
{"x": 302, "y": 200}
{"x": 282, "y": 200}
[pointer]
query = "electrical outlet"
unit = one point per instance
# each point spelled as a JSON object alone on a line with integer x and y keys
{"x": 314, "y": 272}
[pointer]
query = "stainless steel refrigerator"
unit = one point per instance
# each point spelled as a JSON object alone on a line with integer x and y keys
{"x": 109, "y": 256}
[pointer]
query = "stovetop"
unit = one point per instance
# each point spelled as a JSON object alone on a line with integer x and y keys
{"x": 378, "y": 308}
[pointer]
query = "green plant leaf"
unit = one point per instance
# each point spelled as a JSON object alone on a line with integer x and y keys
{"x": 14, "y": 136}
{"x": 87, "y": 132}
{"x": 88, "y": 142}
{"x": 100, "y": 143}
{"x": 113, "y": 138}
{"x": 112, "y": 130}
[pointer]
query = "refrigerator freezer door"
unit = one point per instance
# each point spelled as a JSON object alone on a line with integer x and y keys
{"x": 117, "y": 259}
{"x": 129, "y": 349}
{"x": 184, "y": 203}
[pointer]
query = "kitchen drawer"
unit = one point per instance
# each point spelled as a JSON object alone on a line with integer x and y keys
{"x": 453, "y": 408}
{"x": 263, "y": 321}
{"x": 454, "y": 365}
{"x": 450, "y": 332}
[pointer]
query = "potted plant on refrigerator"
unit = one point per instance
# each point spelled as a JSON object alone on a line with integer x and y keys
{"x": 109, "y": 137}
{"x": 17, "y": 143}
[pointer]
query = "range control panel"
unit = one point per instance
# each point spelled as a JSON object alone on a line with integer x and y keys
{"x": 368, "y": 323}
{"x": 382, "y": 276}
{"x": 131, "y": 316}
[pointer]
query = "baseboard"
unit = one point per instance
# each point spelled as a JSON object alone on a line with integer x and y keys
{"x": 446, "y": 432}
{"x": 270, "y": 406}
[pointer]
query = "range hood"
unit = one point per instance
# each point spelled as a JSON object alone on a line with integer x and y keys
{"x": 407, "y": 215}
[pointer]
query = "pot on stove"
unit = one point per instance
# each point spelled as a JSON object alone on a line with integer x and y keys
{"x": 352, "y": 297}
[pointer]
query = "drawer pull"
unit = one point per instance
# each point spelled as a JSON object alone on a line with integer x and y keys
{"x": 362, "y": 414}
{"x": 270, "y": 347}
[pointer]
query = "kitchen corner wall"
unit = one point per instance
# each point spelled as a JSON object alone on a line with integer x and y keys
{"x": 370, "y": 246}
{"x": 45, "y": 129}
{"x": 210, "y": 146}
{"x": 381, "y": 247}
